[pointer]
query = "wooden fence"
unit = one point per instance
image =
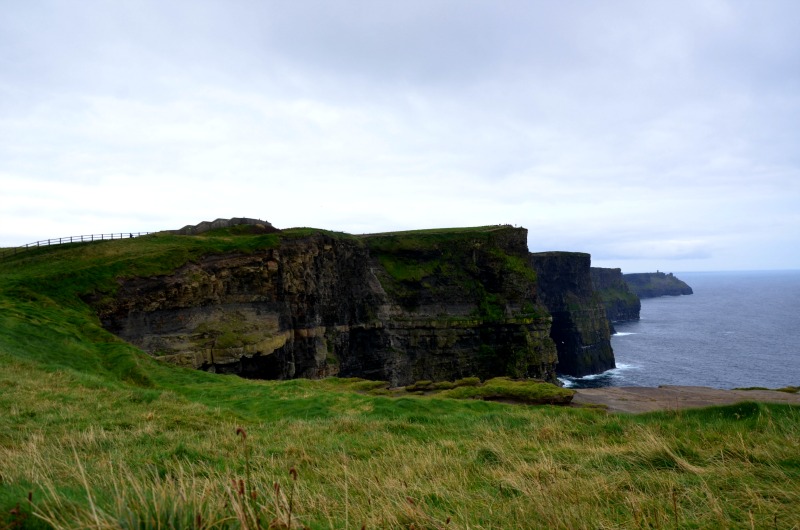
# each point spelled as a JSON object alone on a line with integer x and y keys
{"x": 70, "y": 239}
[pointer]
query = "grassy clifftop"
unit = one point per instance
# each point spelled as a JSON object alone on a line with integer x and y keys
{"x": 468, "y": 259}
{"x": 98, "y": 435}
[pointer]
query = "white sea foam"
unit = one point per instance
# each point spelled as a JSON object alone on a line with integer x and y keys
{"x": 568, "y": 383}
{"x": 622, "y": 334}
{"x": 614, "y": 373}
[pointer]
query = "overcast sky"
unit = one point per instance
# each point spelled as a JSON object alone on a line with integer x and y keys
{"x": 651, "y": 134}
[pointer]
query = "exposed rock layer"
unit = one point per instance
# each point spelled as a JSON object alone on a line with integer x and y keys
{"x": 400, "y": 307}
{"x": 620, "y": 302}
{"x": 653, "y": 284}
{"x": 580, "y": 327}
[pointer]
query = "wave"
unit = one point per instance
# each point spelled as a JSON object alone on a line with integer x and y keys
{"x": 608, "y": 378}
{"x": 622, "y": 334}
{"x": 566, "y": 383}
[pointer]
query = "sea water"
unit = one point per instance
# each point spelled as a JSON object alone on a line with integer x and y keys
{"x": 738, "y": 329}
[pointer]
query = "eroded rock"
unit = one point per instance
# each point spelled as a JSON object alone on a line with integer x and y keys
{"x": 398, "y": 308}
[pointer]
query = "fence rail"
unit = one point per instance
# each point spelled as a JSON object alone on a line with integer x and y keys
{"x": 69, "y": 239}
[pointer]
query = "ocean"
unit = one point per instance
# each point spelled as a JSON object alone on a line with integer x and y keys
{"x": 738, "y": 329}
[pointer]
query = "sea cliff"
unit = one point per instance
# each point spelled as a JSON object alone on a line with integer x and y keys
{"x": 400, "y": 307}
{"x": 653, "y": 284}
{"x": 620, "y": 302}
{"x": 580, "y": 326}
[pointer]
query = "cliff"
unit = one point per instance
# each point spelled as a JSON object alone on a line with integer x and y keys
{"x": 620, "y": 302}
{"x": 653, "y": 284}
{"x": 580, "y": 328}
{"x": 400, "y": 307}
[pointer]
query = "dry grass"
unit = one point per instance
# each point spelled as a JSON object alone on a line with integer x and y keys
{"x": 546, "y": 468}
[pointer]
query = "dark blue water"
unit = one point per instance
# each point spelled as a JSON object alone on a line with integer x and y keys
{"x": 738, "y": 329}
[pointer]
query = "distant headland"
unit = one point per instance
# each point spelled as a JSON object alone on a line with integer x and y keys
{"x": 654, "y": 284}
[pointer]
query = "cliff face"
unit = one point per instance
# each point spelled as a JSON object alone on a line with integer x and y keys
{"x": 397, "y": 307}
{"x": 275, "y": 313}
{"x": 653, "y": 284}
{"x": 464, "y": 304}
{"x": 620, "y": 302}
{"x": 580, "y": 327}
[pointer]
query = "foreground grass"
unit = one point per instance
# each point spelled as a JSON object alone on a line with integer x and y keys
{"x": 97, "y": 435}
{"x": 100, "y": 455}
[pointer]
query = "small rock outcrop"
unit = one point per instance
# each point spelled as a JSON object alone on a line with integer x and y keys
{"x": 580, "y": 327}
{"x": 621, "y": 303}
{"x": 653, "y": 284}
{"x": 255, "y": 226}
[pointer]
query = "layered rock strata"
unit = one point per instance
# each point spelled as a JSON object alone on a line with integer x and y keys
{"x": 398, "y": 307}
{"x": 580, "y": 328}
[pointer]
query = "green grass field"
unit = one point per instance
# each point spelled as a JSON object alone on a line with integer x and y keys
{"x": 95, "y": 434}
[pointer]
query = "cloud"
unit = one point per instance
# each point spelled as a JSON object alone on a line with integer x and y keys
{"x": 633, "y": 131}
{"x": 663, "y": 249}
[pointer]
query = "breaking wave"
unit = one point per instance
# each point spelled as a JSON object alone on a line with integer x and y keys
{"x": 613, "y": 377}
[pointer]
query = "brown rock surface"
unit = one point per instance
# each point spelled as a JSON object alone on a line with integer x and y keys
{"x": 399, "y": 307}
{"x": 648, "y": 399}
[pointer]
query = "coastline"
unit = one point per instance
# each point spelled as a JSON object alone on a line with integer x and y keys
{"x": 738, "y": 330}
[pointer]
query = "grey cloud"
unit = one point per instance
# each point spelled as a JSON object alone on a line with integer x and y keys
{"x": 601, "y": 127}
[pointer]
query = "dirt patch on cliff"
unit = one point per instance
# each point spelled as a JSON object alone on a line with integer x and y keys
{"x": 648, "y": 399}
